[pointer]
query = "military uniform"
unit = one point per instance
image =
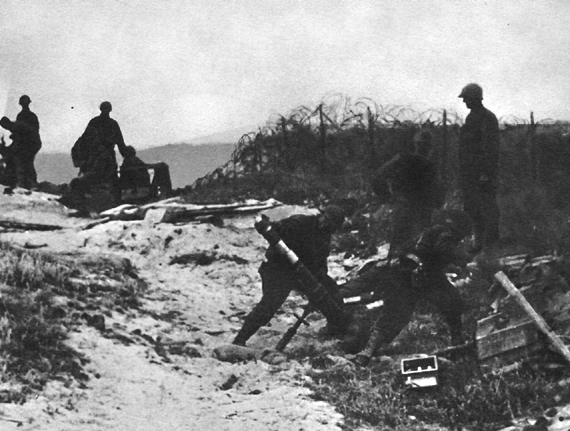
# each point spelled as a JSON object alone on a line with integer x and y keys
{"x": 420, "y": 276}
{"x": 478, "y": 162}
{"x": 134, "y": 172}
{"x": 303, "y": 235}
{"x": 409, "y": 182}
{"x": 108, "y": 134}
{"x": 26, "y": 143}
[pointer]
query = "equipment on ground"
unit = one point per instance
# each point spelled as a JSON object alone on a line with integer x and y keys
{"x": 420, "y": 372}
{"x": 308, "y": 309}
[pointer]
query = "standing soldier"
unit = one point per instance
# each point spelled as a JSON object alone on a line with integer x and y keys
{"x": 479, "y": 162}
{"x": 409, "y": 181}
{"x": 309, "y": 237}
{"x": 102, "y": 134}
{"x": 26, "y": 143}
{"x": 107, "y": 132}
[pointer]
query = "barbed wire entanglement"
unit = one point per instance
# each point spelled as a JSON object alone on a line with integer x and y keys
{"x": 336, "y": 136}
{"x": 330, "y": 150}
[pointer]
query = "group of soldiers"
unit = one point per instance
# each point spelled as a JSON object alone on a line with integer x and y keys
{"x": 93, "y": 153}
{"x": 426, "y": 240}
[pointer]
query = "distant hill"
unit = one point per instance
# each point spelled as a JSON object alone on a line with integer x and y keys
{"x": 187, "y": 162}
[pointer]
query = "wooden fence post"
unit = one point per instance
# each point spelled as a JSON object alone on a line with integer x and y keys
{"x": 443, "y": 157}
{"x": 323, "y": 131}
{"x": 371, "y": 139}
{"x": 287, "y": 149}
{"x": 533, "y": 149}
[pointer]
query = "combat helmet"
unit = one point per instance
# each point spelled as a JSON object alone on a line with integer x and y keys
{"x": 105, "y": 107}
{"x": 472, "y": 91}
{"x": 25, "y": 100}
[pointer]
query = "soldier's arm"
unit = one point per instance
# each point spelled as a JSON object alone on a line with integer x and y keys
{"x": 491, "y": 141}
{"x": 120, "y": 141}
{"x": 381, "y": 178}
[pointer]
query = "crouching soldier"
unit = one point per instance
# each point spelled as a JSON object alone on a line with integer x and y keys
{"x": 419, "y": 276}
{"x": 309, "y": 237}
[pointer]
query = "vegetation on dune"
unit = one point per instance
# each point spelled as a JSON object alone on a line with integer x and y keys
{"x": 41, "y": 301}
{"x": 328, "y": 153}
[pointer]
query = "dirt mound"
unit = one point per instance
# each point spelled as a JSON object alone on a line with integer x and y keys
{"x": 153, "y": 367}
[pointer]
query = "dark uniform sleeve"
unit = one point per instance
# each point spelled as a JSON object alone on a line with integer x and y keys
{"x": 119, "y": 140}
{"x": 382, "y": 178}
{"x": 491, "y": 139}
{"x": 301, "y": 234}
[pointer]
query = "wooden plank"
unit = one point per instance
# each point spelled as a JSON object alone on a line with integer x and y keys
{"x": 556, "y": 342}
{"x": 19, "y": 225}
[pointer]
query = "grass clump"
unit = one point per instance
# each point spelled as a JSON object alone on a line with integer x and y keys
{"x": 36, "y": 315}
{"x": 467, "y": 395}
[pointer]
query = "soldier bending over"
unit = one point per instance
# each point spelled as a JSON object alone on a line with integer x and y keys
{"x": 420, "y": 275}
{"x": 309, "y": 237}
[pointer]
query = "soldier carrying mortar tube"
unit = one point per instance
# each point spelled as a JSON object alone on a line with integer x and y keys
{"x": 309, "y": 237}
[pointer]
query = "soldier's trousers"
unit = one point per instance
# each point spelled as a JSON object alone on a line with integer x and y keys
{"x": 278, "y": 280}
{"x": 480, "y": 203}
{"x": 400, "y": 301}
{"x": 24, "y": 166}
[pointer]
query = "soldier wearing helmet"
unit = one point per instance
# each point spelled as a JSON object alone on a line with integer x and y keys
{"x": 101, "y": 135}
{"x": 106, "y": 132}
{"x": 419, "y": 276}
{"x": 26, "y": 143}
{"x": 478, "y": 161}
{"x": 309, "y": 237}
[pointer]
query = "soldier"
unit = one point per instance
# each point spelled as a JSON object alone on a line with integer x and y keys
{"x": 409, "y": 181}
{"x": 134, "y": 172}
{"x": 478, "y": 162}
{"x": 26, "y": 143}
{"x": 107, "y": 132}
{"x": 419, "y": 276}
{"x": 309, "y": 238}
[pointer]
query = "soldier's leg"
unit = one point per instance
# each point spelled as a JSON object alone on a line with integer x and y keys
{"x": 20, "y": 168}
{"x": 492, "y": 216}
{"x": 402, "y": 227}
{"x": 399, "y": 305}
{"x": 473, "y": 206}
{"x": 276, "y": 286}
{"x": 448, "y": 301}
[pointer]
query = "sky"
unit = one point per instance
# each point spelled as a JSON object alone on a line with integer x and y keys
{"x": 177, "y": 70}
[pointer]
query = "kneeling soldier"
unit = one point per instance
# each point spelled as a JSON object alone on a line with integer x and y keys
{"x": 420, "y": 275}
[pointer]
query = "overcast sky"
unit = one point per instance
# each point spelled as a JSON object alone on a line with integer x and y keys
{"x": 180, "y": 69}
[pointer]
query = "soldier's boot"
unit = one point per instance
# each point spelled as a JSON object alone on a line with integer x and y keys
{"x": 246, "y": 332}
{"x": 376, "y": 339}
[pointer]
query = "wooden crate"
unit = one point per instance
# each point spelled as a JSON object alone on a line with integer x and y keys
{"x": 498, "y": 337}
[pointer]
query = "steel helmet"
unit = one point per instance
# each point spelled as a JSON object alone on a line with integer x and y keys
{"x": 472, "y": 91}
{"x": 105, "y": 107}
